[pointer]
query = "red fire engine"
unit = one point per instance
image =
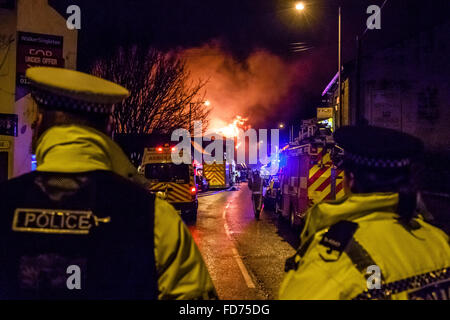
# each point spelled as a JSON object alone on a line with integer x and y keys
{"x": 308, "y": 174}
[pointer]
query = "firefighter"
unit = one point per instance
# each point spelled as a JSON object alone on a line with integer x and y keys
{"x": 257, "y": 193}
{"x": 238, "y": 177}
{"x": 371, "y": 244}
{"x": 78, "y": 227}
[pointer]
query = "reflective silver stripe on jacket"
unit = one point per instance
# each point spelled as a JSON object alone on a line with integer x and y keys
{"x": 412, "y": 283}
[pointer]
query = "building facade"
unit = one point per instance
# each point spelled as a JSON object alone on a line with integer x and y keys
{"x": 405, "y": 86}
{"x": 32, "y": 33}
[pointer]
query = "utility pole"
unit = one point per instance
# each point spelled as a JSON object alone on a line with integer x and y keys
{"x": 340, "y": 68}
{"x": 359, "y": 105}
{"x": 291, "y": 134}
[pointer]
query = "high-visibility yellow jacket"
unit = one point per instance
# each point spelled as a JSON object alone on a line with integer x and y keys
{"x": 414, "y": 262}
{"x": 182, "y": 273}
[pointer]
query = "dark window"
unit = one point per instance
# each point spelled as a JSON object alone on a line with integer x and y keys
{"x": 167, "y": 172}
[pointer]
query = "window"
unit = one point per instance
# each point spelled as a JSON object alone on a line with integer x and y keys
{"x": 167, "y": 172}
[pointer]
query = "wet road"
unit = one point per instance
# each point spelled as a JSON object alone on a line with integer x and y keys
{"x": 245, "y": 257}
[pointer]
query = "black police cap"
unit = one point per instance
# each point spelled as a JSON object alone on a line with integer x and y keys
{"x": 376, "y": 147}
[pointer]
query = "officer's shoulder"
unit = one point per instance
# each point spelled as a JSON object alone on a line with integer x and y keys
{"x": 168, "y": 222}
{"x": 329, "y": 244}
{"x": 166, "y": 210}
{"x": 338, "y": 236}
{"x": 321, "y": 209}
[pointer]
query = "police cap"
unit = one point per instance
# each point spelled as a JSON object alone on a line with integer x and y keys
{"x": 69, "y": 90}
{"x": 377, "y": 148}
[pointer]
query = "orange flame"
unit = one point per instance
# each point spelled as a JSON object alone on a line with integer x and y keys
{"x": 232, "y": 130}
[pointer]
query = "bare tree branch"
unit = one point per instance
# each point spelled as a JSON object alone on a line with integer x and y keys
{"x": 161, "y": 92}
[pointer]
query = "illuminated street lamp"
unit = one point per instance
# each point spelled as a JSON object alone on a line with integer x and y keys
{"x": 207, "y": 103}
{"x": 300, "y": 6}
{"x": 281, "y": 126}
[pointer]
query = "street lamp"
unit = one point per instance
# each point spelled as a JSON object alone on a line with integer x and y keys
{"x": 300, "y": 6}
{"x": 281, "y": 126}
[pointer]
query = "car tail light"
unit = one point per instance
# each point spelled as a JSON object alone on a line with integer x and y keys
{"x": 159, "y": 149}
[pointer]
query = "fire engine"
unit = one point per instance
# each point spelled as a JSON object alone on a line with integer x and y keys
{"x": 308, "y": 174}
{"x": 219, "y": 175}
{"x": 169, "y": 181}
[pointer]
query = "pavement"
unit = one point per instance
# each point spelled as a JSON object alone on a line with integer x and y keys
{"x": 244, "y": 256}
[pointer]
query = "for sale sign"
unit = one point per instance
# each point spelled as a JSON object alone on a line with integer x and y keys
{"x": 34, "y": 50}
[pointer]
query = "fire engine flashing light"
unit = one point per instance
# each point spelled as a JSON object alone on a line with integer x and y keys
{"x": 193, "y": 190}
{"x": 159, "y": 149}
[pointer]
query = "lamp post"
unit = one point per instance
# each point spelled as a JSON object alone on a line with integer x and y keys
{"x": 300, "y": 6}
{"x": 340, "y": 69}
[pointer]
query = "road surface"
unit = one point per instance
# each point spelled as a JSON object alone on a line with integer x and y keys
{"x": 245, "y": 257}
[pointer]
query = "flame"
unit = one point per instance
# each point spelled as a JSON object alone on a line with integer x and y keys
{"x": 232, "y": 129}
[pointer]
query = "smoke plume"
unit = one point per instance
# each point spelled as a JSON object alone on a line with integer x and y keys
{"x": 263, "y": 88}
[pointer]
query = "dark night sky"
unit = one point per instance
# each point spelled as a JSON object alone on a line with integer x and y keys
{"x": 243, "y": 25}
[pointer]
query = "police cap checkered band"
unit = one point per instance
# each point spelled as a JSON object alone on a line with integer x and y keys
{"x": 49, "y": 100}
{"x": 376, "y": 163}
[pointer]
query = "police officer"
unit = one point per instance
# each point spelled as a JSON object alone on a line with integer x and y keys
{"x": 78, "y": 227}
{"x": 371, "y": 244}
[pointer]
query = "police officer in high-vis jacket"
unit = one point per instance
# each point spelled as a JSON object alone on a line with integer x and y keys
{"x": 371, "y": 244}
{"x": 79, "y": 226}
